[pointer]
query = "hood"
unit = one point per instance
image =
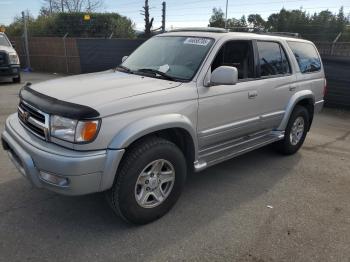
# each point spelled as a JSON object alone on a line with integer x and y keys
{"x": 8, "y": 49}
{"x": 96, "y": 89}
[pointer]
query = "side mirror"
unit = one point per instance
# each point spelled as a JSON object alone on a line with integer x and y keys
{"x": 124, "y": 58}
{"x": 13, "y": 43}
{"x": 224, "y": 75}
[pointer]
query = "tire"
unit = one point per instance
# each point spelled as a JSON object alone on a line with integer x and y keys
{"x": 124, "y": 196}
{"x": 17, "y": 79}
{"x": 291, "y": 144}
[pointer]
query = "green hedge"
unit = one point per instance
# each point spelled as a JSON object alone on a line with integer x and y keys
{"x": 99, "y": 25}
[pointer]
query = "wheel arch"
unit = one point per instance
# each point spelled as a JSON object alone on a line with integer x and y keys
{"x": 304, "y": 98}
{"x": 174, "y": 127}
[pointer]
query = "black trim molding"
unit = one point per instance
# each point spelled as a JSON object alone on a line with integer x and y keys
{"x": 54, "y": 106}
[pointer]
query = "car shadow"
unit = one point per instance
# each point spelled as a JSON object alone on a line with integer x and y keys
{"x": 42, "y": 224}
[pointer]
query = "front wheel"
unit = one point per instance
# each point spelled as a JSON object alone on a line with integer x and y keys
{"x": 149, "y": 181}
{"x": 295, "y": 132}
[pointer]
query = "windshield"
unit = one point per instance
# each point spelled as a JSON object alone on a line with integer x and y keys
{"x": 3, "y": 40}
{"x": 176, "y": 56}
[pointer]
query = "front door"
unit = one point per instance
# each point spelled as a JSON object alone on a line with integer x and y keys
{"x": 227, "y": 112}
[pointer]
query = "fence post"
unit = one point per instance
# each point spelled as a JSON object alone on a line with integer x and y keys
{"x": 26, "y": 41}
{"x": 65, "y": 52}
{"x": 163, "y": 16}
{"x": 334, "y": 42}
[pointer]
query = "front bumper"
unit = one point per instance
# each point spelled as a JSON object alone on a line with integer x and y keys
{"x": 86, "y": 171}
{"x": 9, "y": 70}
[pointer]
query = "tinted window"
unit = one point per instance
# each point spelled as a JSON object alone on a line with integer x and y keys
{"x": 273, "y": 60}
{"x": 307, "y": 57}
{"x": 237, "y": 54}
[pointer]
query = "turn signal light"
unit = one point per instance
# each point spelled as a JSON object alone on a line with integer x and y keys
{"x": 86, "y": 130}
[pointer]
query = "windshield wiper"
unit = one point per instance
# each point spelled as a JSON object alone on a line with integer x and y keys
{"x": 156, "y": 72}
{"x": 124, "y": 68}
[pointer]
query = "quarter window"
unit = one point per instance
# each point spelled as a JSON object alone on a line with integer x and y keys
{"x": 306, "y": 56}
{"x": 272, "y": 58}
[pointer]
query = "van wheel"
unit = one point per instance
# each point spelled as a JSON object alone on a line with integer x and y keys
{"x": 295, "y": 132}
{"x": 17, "y": 79}
{"x": 149, "y": 181}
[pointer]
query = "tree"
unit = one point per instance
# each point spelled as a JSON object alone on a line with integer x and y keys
{"x": 217, "y": 19}
{"x": 100, "y": 25}
{"x": 70, "y": 6}
{"x": 322, "y": 26}
{"x": 256, "y": 21}
{"x": 148, "y": 22}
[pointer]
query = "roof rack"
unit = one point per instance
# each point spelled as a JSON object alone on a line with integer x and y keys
{"x": 288, "y": 34}
{"x": 200, "y": 29}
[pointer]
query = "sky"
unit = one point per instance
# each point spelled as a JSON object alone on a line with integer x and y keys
{"x": 183, "y": 13}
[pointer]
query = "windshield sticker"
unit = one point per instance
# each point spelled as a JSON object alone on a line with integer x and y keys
{"x": 197, "y": 41}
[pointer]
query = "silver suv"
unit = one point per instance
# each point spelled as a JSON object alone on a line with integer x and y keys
{"x": 184, "y": 100}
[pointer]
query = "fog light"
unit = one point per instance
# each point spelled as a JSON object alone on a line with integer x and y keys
{"x": 53, "y": 179}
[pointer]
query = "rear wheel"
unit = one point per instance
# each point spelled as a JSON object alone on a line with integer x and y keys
{"x": 149, "y": 181}
{"x": 295, "y": 132}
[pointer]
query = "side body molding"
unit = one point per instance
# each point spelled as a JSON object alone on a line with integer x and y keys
{"x": 297, "y": 97}
{"x": 148, "y": 125}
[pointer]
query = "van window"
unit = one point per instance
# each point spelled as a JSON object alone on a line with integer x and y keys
{"x": 306, "y": 56}
{"x": 237, "y": 54}
{"x": 272, "y": 59}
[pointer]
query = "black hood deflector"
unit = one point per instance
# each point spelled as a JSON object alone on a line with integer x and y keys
{"x": 54, "y": 106}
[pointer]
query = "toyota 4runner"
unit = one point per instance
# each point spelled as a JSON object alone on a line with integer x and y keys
{"x": 184, "y": 100}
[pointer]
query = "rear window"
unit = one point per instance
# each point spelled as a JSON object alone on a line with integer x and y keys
{"x": 306, "y": 56}
{"x": 273, "y": 60}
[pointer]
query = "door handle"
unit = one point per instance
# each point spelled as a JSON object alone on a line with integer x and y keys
{"x": 292, "y": 87}
{"x": 252, "y": 94}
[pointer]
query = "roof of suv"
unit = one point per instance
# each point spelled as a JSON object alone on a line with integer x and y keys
{"x": 218, "y": 34}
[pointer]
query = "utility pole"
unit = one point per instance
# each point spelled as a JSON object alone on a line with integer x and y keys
{"x": 26, "y": 39}
{"x": 51, "y": 7}
{"x": 226, "y": 14}
{"x": 163, "y": 16}
{"x": 62, "y": 7}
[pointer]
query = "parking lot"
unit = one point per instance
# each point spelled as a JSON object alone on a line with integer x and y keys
{"x": 258, "y": 207}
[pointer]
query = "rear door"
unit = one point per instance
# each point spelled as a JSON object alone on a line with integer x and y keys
{"x": 276, "y": 83}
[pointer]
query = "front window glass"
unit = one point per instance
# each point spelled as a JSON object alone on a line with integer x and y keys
{"x": 237, "y": 54}
{"x": 176, "y": 56}
{"x": 4, "y": 41}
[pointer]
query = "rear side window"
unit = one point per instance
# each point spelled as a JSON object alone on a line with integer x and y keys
{"x": 306, "y": 56}
{"x": 272, "y": 59}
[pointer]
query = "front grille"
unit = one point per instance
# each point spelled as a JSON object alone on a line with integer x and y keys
{"x": 33, "y": 120}
{"x": 3, "y": 58}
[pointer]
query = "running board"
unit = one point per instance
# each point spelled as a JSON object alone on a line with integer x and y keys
{"x": 219, "y": 153}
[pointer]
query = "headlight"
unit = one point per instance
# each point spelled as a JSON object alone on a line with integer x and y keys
{"x": 73, "y": 130}
{"x": 14, "y": 60}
